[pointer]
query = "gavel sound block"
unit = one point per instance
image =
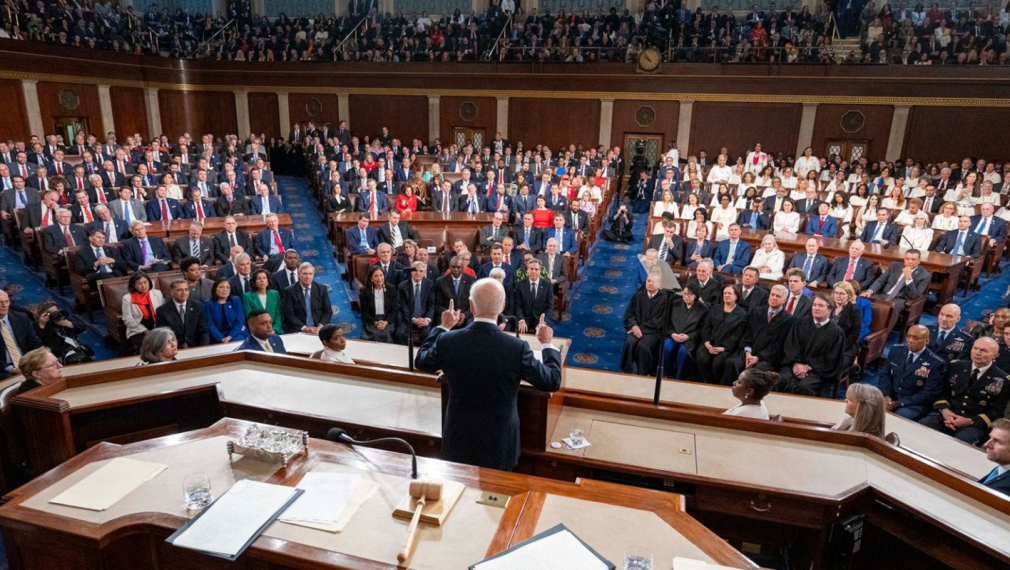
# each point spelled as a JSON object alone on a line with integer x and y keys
{"x": 429, "y": 502}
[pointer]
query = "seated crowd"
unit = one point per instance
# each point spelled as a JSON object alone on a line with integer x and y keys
{"x": 745, "y": 305}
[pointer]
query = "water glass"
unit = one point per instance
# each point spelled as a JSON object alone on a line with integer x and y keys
{"x": 576, "y": 437}
{"x": 196, "y": 489}
{"x": 637, "y": 558}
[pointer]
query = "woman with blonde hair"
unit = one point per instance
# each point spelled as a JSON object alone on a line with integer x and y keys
{"x": 947, "y": 218}
{"x": 865, "y": 410}
{"x": 769, "y": 259}
{"x": 918, "y": 234}
{"x": 667, "y": 204}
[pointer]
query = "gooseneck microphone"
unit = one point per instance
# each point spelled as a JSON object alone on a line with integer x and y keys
{"x": 338, "y": 435}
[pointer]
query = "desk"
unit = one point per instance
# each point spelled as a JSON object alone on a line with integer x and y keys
{"x": 947, "y": 267}
{"x": 423, "y": 222}
{"x": 211, "y": 226}
{"x": 131, "y": 534}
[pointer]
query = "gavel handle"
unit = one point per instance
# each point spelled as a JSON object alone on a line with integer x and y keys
{"x": 408, "y": 542}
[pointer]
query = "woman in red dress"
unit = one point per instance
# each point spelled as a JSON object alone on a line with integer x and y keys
{"x": 407, "y": 202}
{"x": 543, "y": 217}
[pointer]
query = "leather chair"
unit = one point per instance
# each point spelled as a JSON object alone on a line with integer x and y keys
{"x": 13, "y": 451}
{"x": 873, "y": 345}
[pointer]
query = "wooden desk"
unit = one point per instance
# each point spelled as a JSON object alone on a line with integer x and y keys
{"x": 947, "y": 267}
{"x": 340, "y": 221}
{"x": 211, "y": 226}
{"x": 131, "y": 535}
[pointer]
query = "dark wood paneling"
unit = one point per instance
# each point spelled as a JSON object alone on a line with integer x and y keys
{"x": 129, "y": 111}
{"x": 666, "y": 113}
{"x": 947, "y": 133}
{"x": 264, "y": 117}
{"x": 449, "y": 116}
{"x": 405, "y": 115}
{"x": 876, "y": 127}
{"x": 298, "y": 109}
{"x": 88, "y": 107}
{"x": 197, "y": 112}
{"x": 738, "y": 126}
{"x": 554, "y": 122}
{"x": 14, "y": 120}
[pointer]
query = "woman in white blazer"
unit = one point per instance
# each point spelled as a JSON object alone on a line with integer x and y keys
{"x": 139, "y": 306}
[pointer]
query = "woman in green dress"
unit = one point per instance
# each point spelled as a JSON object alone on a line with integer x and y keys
{"x": 263, "y": 298}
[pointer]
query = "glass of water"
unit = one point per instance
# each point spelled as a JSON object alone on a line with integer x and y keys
{"x": 196, "y": 488}
{"x": 576, "y": 436}
{"x": 637, "y": 558}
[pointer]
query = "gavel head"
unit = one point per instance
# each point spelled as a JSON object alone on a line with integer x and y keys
{"x": 430, "y": 490}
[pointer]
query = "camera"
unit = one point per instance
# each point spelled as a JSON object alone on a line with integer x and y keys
{"x": 60, "y": 315}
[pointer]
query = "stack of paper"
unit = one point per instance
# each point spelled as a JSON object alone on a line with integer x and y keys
{"x": 555, "y": 549}
{"x": 110, "y": 483}
{"x": 327, "y": 499}
{"x": 234, "y": 521}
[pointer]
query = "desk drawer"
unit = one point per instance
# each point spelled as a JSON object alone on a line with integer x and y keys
{"x": 764, "y": 506}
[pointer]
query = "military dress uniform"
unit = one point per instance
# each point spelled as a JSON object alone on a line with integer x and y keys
{"x": 956, "y": 345}
{"x": 982, "y": 399}
{"x": 914, "y": 385}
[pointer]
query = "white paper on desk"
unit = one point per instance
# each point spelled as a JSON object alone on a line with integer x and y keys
{"x": 558, "y": 551}
{"x": 227, "y": 525}
{"x": 326, "y": 495}
{"x": 110, "y": 483}
{"x": 680, "y": 563}
{"x": 363, "y": 492}
{"x": 568, "y": 442}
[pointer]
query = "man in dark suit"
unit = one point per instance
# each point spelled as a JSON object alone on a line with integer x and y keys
{"x": 494, "y": 233}
{"x": 193, "y": 244}
{"x": 853, "y": 267}
{"x": 733, "y": 254}
{"x": 198, "y": 208}
{"x": 287, "y": 275}
{"x": 768, "y": 324}
{"x": 471, "y": 202}
{"x": 754, "y": 219}
{"x": 82, "y": 212}
{"x": 812, "y": 358}
{"x": 261, "y": 334}
{"x": 961, "y": 241}
{"x": 880, "y": 230}
{"x": 497, "y": 261}
{"x": 227, "y": 204}
{"x": 668, "y": 244}
{"x": 481, "y": 425}
{"x": 94, "y": 261}
{"x": 576, "y": 218}
{"x": 813, "y": 264}
{"x": 568, "y": 244}
{"x": 391, "y": 269}
{"x": 645, "y": 322}
{"x": 55, "y": 237}
{"x": 146, "y": 253}
{"x": 822, "y": 224}
{"x": 272, "y": 241}
{"x": 522, "y": 204}
{"x": 229, "y": 238}
{"x": 163, "y": 208}
{"x": 913, "y": 377}
{"x": 394, "y": 231}
{"x": 809, "y": 203}
{"x": 710, "y": 285}
{"x": 534, "y": 298}
{"x": 184, "y": 317}
{"x": 263, "y": 203}
{"x": 554, "y": 266}
{"x": 641, "y": 194}
{"x": 372, "y": 200}
{"x": 997, "y": 450}
{"x": 971, "y": 398}
{"x": 901, "y": 282}
{"x": 527, "y": 237}
{"x": 946, "y": 339}
{"x": 361, "y": 239}
{"x": 305, "y": 306}
{"x": 798, "y": 302}
{"x": 417, "y": 303}
{"x": 752, "y": 293}
{"x": 986, "y": 224}
{"x": 115, "y": 230}
{"x": 444, "y": 199}
{"x": 17, "y": 327}
{"x": 454, "y": 288}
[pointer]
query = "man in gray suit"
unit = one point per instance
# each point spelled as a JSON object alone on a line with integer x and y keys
{"x": 120, "y": 211}
{"x": 194, "y": 245}
{"x": 555, "y": 266}
{"x": 494, "y": 233}
{"x": 900, "y": 283}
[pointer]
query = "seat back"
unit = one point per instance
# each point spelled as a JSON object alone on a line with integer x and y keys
{"x": 432, "y": 234}
{"x": 13, "y": 451}
{"x": 470, "y": 237}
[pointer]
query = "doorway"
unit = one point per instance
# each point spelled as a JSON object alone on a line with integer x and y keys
{"x": 68, "y": 127}
{"x": 461, "y": 136}
{"x": 642, "y": 147}
{"x": 850, "y": 151}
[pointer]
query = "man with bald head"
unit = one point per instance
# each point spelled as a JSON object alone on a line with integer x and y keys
{"x": 914, "y": 375}
{"x": 481, "y": 425}
{"x": 946, "y": 339}
{"x": 974, "y": 396}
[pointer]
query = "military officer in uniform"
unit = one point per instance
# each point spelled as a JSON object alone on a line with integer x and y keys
{"x": 914, "y": 375}
{"x": 946, "y": 339}
{"x": 978, "y": 395}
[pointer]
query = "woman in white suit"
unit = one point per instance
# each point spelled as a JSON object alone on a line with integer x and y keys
{"x": 769, "y": 259}
{"x": 918, "y": 234}
{"x": 139, "y": 305}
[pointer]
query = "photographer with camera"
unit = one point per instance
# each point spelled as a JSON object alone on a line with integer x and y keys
{"x": 620, "y": 220}
{"x": 58, "y": 331}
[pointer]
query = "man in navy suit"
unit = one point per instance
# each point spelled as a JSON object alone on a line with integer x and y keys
{"x": 529, "y": 237}
{"x": 961, "y": 241}
{"x": 822, "y": 224}
{"x": 263, "y": 203}
{"x": 471, "y": 202}
{"x": 115, "y": 230}
{"x": 198, "y": 208}
{"x": 733, "y": 254}
{"x": 272, "y": 241}
{"x": 145, "y": 253}
{"x": 305, "y": 306}
{"x": 497, "y": 261}
{"x": 372, "y": 200}
{"x": 567, "y": 244}
{"x": 20, "y": 328}
{"x": 533, "y": 298}
{"x": 753, "y": 219}
{"x": 481, "y": 425}
{"x": 361, "y": 239}
{"x": 914, "y": 376}
{"x": 946, "y": 339}
{"x": 988, "y": 225}
{"x": 997, "y": 450}
{"x": 853, "y": 267}
{"x": 184, "y": 316}
{"x": 94, "y": 261}
{"x": 881, "y": 231}
{"x": 261, "y": 334}
{"x": 162, "y": 204}
{"x": 522, "y": 203}
{"x": 417, "y": 303}
{"x": 444, "y": 199}
{"x": 814, "y": 266}
{"x": 287, "y": 275}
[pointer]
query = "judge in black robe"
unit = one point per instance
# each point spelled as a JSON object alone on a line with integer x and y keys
{"x": 683, "y": 329}
{"x": 817, "y": 342}
{"x": 645, "y": 320}
{"x": 762, "y": 339}
{"x": 722, "y": 333}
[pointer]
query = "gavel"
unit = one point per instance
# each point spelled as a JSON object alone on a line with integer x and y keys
{"x": 422, "y": 491}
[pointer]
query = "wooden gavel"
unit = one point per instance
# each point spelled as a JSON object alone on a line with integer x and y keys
{"x": 422, "y": 491}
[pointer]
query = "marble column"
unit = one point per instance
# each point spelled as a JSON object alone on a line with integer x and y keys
{"x": 502, "y": 117}
{"x": 105, "y": 105}
{"x": 31, "y": 93}
{"x": 807, "y": 121}
{"x": 434, "y": 117}
{"x": 896, "y": 140}
{"x": 283, "y": 113}
{"x": 606, "y": 121}
{"x": 684, "y": 127}
{"x": 242, "y": 113}
{"x": 153, "y": 109}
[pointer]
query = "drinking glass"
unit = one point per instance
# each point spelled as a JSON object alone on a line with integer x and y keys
{"x": 575, "y": 436}
{"x": 196, "y": 489}
{"x": 637, "y": 558}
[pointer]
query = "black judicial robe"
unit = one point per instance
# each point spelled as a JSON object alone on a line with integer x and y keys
{"x": 820, "y": 348}
{"x": 650, "y": 316}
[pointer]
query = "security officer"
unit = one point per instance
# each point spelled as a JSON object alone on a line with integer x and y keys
{"x": 946, "y": 339}
{"x": 914, "y": 375}
{"x": 979, "y": 392}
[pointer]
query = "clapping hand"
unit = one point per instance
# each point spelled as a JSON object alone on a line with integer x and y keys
{"x": 451, "y": 317}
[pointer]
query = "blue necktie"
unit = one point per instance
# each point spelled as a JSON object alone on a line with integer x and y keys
{"x": 806, "y": 267}
{"x": 364, "y": 239}
{"x": 958, "y": 244}
{"x": 456, "y": 285}
{"x": 992, "y": 476}
{"x": 876, "y": 234}
{"x": 21, "y": 198}
{"x": 417, "y": 301}
{"x": 308, "y": 309}
{"x": 126, "y": 212}
{"x": 982, "y": 226}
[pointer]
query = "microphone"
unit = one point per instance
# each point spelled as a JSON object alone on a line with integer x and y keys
{"x": 338, "y": 435}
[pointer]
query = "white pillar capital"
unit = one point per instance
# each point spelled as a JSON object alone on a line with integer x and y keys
{"x": 896, "y": 139}
{"x": 153, "y": 109}
{"x": 684, "y": 127}
{"x": 502, "y": 116}
{"x": 807, "y": 120}
{"x": 31, "y": 93}
{"x": 606, "y": 121}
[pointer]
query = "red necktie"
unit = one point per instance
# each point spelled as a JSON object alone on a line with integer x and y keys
{"x": 374, "y": 207}
{"x": 852, "y": 268}
{"x": 820, "y": 225}
{"x": 770, "y": 315}
{"x": 45, "y": 217}
{"x": 101, "y": 196}
{"x": 792, "y": 303}
{"x": 59, "y": 169}
{"x": 199, "y": 210}
{"x": 68, "y": 237}
{"x": 87, "y": 214}
{"x": 277, "y": 240}
{"x": 164, "y": 210}
{"x": 122, "y": 170}
{"x": 24, "y": 172}
{"x": 80, "y": 184}
{"x": 500, "y": 198}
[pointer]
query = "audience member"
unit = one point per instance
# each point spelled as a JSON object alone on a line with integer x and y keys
{"x": 334, "y": 344}
{"x": 750, "y": 387}
{"x": 262, "y": 334}
{"x": 914, "y": 376}
{"x": 997, "y": 450}
{"x": 864, "y": 410}
{"x": 645, "y": 322}
{"x": 40, "y": 367}
{"x": 184, "y": 316}
{"x": 159, "y": 345}
{"x": 225, "y": 314}
{"x": 945, "y": 339}
{"x": 813, "y": 356}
